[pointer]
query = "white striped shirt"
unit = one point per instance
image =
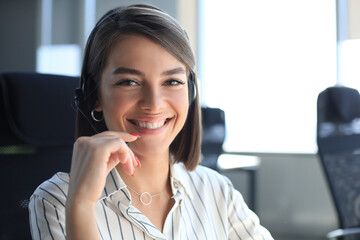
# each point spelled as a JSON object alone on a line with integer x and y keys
{"x": 206, "y": 207}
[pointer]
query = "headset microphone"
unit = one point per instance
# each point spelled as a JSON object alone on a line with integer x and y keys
{"x": 78, "y": 98}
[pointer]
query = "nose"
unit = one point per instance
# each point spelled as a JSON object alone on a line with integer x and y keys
{"x": 153, "y": 99}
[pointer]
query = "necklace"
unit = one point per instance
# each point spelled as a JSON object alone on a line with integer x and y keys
{"x": 145, "y": 197}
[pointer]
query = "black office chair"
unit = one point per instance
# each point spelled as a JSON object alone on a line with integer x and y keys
{"x": 213, "y": 122}
{"x": 37, "y": 126}
{"x": 338, "y": 139}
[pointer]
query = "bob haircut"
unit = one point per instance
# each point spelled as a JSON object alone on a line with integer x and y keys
{"x": 161, "y": 28}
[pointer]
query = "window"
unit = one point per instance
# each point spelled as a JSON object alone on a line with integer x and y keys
{"x": 350, "y": 62}
{"x": 264, "y": 63}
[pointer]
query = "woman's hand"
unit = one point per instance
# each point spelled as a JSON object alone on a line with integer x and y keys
{"x": 93, "y": 158}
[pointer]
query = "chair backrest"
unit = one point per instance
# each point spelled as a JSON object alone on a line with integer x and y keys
{"x": 338, "y": 139}
{"x": 213, "y": 123}
{"x": 37, "y": 128}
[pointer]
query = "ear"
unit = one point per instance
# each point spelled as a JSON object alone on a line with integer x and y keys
{"x": 98, "y": 106}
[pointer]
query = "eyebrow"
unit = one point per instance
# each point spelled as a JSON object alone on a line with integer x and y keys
{"x": 124, "y": 70}
{"x": 174, "y": 71}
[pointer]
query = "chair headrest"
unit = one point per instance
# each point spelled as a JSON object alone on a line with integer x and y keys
{"x": 213, "y": 123}
{"x": 339, "y": 104}
{"x": 37, "y": 109}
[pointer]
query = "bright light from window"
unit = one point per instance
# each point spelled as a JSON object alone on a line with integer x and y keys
{"x": 265, "y": 62}
{"x": 59, "y": 59}
{"x": 350, "y": 62}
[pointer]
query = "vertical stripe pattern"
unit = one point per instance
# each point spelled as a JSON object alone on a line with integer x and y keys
{"x": 206, "y": 207}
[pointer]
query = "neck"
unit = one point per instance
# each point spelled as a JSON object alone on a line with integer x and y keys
{"x": 153, "y": 175}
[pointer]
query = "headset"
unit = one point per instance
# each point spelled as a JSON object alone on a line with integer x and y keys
{"x": 192, "y": 87}
{"x": 80, "y": 99}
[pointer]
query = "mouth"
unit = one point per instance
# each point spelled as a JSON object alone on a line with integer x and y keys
{"x": 150, "y": 125}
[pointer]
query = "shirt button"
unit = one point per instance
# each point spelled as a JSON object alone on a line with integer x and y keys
{"x": 176, "y": 185}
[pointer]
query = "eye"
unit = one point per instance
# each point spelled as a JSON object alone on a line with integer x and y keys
{"x": 126, "y": 82}
{"x": 174, "y": 82}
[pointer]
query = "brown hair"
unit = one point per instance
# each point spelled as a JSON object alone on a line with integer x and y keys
{"x": 161, "y": 28}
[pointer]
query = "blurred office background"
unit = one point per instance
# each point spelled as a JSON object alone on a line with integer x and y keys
{"x": 263, "y": 62}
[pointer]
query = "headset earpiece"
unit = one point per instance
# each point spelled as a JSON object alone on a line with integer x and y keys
{"x": 192, "y": 87}
{"x": 79, "y": 95}
{"x": 79, "y": 101}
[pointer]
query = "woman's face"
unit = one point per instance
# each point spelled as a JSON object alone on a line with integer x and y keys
{"x": 144, "y": 90}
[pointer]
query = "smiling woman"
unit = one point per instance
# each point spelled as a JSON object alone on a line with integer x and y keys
{"x": 138, "y": 109}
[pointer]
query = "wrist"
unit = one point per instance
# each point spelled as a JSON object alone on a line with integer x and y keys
{"x": 78, "y": 205}
{"x": 80, "y": 219}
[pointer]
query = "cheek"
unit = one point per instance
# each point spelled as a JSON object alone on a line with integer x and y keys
{"x": 111, "y": 108}
{"x": 181, "y": 104}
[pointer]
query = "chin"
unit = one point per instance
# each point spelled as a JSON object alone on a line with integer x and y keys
{"x": 149, "y": 148}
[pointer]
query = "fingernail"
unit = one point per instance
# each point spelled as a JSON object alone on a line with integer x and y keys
{"x": 137, "y": 161}
{"x": 134, "y": 134}
{"x": 133, "y": 175}
{"x": 124, "y": 164}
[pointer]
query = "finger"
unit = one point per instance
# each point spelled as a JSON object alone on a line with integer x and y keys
{"x": 109, "y": 135}
{"x": 128, "y": 165}
{"x": 113, "y": 150}
{"x": 113, "y": 161}
{"x": 127, "y": 137}
{"x": 111, "y": 145}
{"x": 136, "y": 161}
{"x": 126, "y": 160}
{"x": 132, "y": 162}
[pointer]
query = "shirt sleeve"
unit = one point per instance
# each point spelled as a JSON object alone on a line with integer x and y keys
{"x": 243, "y": 223}
{"x": 47, "y": 221}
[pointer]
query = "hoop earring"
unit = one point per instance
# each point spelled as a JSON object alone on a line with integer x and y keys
{"x": 94, "y": 118}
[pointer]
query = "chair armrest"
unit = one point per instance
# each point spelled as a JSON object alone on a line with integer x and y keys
{"x": 343, "y": 232}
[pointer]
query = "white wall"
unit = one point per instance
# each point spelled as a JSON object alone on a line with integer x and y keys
{"x": 354, "y": 19}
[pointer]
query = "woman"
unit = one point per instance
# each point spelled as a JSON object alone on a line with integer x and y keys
{"x": 134, "y": 172}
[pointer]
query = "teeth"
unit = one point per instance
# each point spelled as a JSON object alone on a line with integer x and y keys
{"x": 150, "y": 125}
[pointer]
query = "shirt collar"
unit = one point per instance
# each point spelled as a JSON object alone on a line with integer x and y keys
{"x": 113, "y": 184}
{"x": 178, "y": 179}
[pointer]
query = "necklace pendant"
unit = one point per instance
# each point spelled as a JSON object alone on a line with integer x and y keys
{"x": 145, "y": 198}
